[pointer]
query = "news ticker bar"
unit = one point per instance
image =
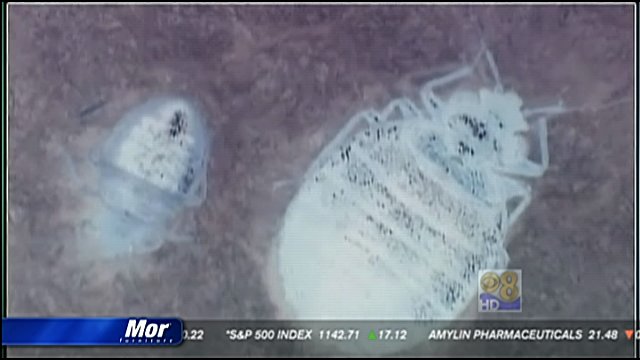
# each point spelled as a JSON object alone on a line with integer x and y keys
{"x": 297, "y": 338}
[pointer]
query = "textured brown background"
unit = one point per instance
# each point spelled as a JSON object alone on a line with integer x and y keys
{"x": 278, "y": 82}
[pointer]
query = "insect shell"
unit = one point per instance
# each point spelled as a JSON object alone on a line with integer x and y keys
{"x": 402, "y": 209}
{"x": 152, "y": 165}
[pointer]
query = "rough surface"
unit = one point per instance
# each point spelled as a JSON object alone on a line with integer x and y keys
{"x": 279, "y": 82}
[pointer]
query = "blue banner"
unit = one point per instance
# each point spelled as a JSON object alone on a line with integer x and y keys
{"x": 91, "y": 331}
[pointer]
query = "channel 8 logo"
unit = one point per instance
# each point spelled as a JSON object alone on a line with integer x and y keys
{"x": 500, "y": 291}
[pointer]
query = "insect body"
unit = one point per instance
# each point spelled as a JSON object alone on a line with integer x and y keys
{"x": 395, "y": 219}
{"x": 152, "y": 165}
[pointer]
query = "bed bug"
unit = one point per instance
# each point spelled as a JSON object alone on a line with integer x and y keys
{"x": 152, "y": 164}
{"x": 399, "y": 212}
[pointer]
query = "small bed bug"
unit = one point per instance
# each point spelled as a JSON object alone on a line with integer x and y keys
{"x": 153, "y": 163}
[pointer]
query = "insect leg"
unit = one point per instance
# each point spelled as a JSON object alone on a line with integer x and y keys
{"x": 515, "y": 189}
{"x": 545, "y": 110}
{"x": 431, "y": 102}
{"x": 370, "y": 117}
{"x": 406, "y": 107}
{"x": 494, "y": 69}
{"x": 528, "y": 167}
{"x": 560, "y": 108}
{"x": 544, "y": 148}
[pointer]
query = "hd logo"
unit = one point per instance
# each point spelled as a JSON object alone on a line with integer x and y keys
{"x": 152, "y": 332}
{"x": 500, "y": 291}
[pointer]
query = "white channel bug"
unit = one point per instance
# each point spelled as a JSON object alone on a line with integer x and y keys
{"x": 153, "y": 164}
{"x": 400, "y": 211}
